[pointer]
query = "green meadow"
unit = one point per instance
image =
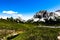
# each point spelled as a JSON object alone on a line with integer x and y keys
{"x": 28, "y": 31}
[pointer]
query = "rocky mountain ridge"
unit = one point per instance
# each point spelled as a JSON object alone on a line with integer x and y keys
{"x": 43, "y": 15}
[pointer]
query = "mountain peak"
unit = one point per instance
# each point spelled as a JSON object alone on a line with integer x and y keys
{"x": 43, "y": 14}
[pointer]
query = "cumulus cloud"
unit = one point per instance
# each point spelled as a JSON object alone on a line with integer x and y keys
{"x": 5, "y": 14}
{"x": 9, "y": 12}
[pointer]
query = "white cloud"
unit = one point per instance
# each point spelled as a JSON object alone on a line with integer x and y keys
{"x": 27, "y": 16}
{"x": 14, "y": 14}
{"x": 4, "y": 17}
{"x": 9, "y": 12}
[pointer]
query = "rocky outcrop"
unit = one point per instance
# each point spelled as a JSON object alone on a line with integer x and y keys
{"x": 42, "y": 15}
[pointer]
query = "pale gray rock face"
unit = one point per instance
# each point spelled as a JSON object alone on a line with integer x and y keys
{"x": 52, "y": 16}
{"x": 57, "y": 14}
{"x": 42, "y": 15}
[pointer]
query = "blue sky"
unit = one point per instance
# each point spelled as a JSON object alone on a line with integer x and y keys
{"x": 27, "y": 8}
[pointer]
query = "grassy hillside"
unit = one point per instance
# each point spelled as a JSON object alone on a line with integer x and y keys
{"x": 39, "y": 34}
{"x": 30, "y": 31}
